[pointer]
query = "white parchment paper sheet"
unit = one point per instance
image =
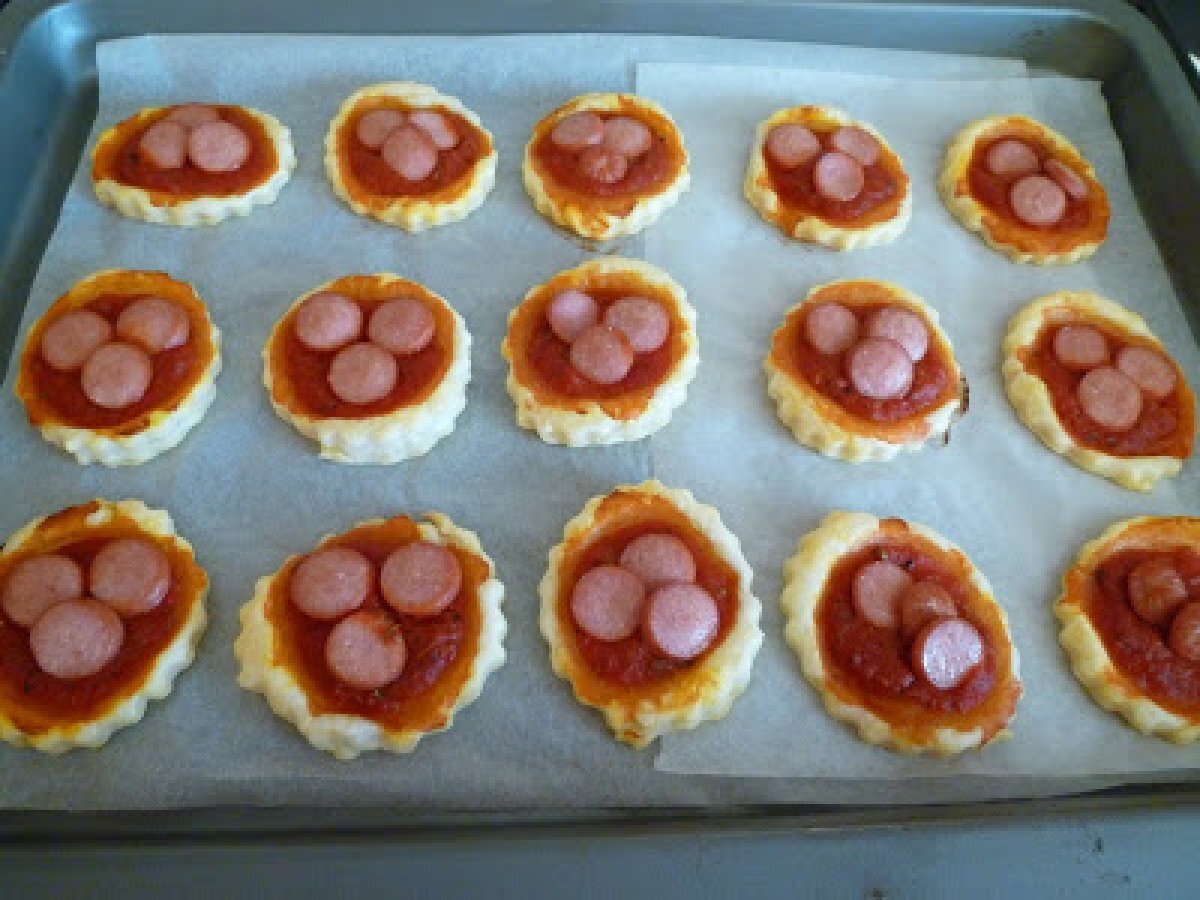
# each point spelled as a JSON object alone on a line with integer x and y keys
{"x": 1019, "y": 511}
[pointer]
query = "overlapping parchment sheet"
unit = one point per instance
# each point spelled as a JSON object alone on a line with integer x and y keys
{"x": 1019, "y": 511}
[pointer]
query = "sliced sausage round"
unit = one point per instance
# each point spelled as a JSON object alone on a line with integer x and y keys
{"x": 880, "y": 369}
{"x": 904, "y": 327}
{"x": 858, "y": 143}
{"x": 658, "y": 558}
{"x": 405, "y": 325}
{"x": 606, "y": 603}
{"x": 410, "y": 153}
{"x": 76, "y": 638}
{"x": 876, "y": 591}
{"x": 1068, "y": 179}
{"x": 366, "y": 650}
{"x": 602, "y": 354}
{"x": 627, "y": 136}
{"x": 130, "y": 575}
{"x": 38, "y": 583}
{"x": 642, "y": 320}
{"x": 838, "y": 176}
{"x": 373, "y": 128}
{"x": 363, "y": 373}
{"x": 921, "y": 603}
{"x": 1110, "y": 398}
{"x": 217, "y": 147}
{"x": 116, "y": 375}
{"x": 680, "y": 620}
{"x": 1151, "y": 371}
{"x": 578, "y": 130}
{"x": 603, "y": 165}
{"x": 437, "y": 126}
{"x": 1011, "y": 157}
{"x": 1184, "y": 637}
{"x": 571, "y": 313}
{"x": 946, "y": 651}
{"x": 421, "y": 578}
{"x": 331, "y": 582}
{"x": 830, "y": 328}
{"x": 70, "y": 339}
{"x": 1037, "y": 200}
{"x": 1080, "y": 346}
{"x": 327, "y": 321}
{"x": 191, "y": 115}
{"x": 1156, "y": 590}
{"x": 791, "y": 145}
{"x": 155, "y": 323}
{"x": 164, "y": 145}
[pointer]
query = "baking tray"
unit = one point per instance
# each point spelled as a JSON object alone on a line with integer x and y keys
{"x": 48, "y": 92}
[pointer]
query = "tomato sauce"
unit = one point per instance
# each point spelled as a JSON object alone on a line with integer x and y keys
{"x": 797, "y": 188}
{"x": 645, "y": 172}
{"x": 993, "y": 190}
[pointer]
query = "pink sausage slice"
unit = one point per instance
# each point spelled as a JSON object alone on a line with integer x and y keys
{"x": 38, "y": 583}
{"x": 1110, "y": 398}
{"x": 1011, "y": 157}
{"x": 437, "y": 126}
{"x": 830, "y": 328}
{"x": 130, "y": 575}
{"x": 858, "y": 143}
{"x": 658, "y": 558}
{"x": 1151, "y": 371}
{"x": 880, "y": 369}
{"x": 70, "y": 339}
{"x": 921, "y": 603}
{"x": 1037, "y": 200}
{"x": 191, "y": 115}
{"x": 76, "y": 638}
{"x": 366, "y": 650}
{"x": 363, "y": 373}
{"x": 602, "y": 354}
{"x": 571, "y": 313}
{"x": 791, "y": 145}
{"x": 420, "y": 579}
{"x": 155, "y": 323}
{"x": 1080, "y": 346}
{"x": 217, "y": 147}
{"x": 410, "y": 153}
{"x": 643, "y": 321}
{"x": 374, "y": 127}
{"x": 1067, "y": 179}
{"x": 116, "y": 375}
{"x": 331, "y": 582}
{"x": 1184, "y": 637}
{"x": 164, "y": 145}
{"x": 603, "y": 165}
{"x": 946, "y": 651}
{"x": 606, "y": 603}
{"x": 904, "y": 327}
{"x": 876, "y": 592}
{"x": 627, "y": 136}
{"x": 578, "y": 130}
{"x": 680, "y": 620}
{"x": 404, "y": 326}
{"x": 1156, "y": 590}
{"x": 327, "y": 321}
{"x": 838, "y": 176}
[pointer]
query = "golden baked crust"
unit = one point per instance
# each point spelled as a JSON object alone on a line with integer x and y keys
{"x": 576, "y": 422}
{"x": 1032, "y": 400}
{"x": 162, "y": 208}
{"x": 897, "y": 725}
{"x": 1019, "y": 242}
{"x": 706, "y": 690}
{"x": 604, "y": 218}
{"x": 407, "y": 431}
{"x": 346, "y": 736}
{"x": 159, "y": 428}
{"x": 880, "y": 225}
{"x": 1090, "y": 660}
{"x": 22, "y": 723}
{"x": 451, "y": 203}
{"x": 818, "y": 421}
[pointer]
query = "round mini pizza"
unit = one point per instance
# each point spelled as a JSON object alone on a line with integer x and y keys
{"x": 376, "y": 637}
{"x": 606, "y": 165}
{"x": 1130, "y": 616}
{"x": 1026, "y": 189}
{"x": 647, "y": 608}
{"x": 101, "y": 607}
{"x": 821, "y": 177}
{"x": 121, "y": 367}
{"x": 192, "y": 164}
{"x": 404, "y": 154}
{"x": 374, "y": 368}
{"x": 861, "y": 370}
{"x": 601, "y": 353}
{"x": 900, "y": 634}
{"x": 1090, "y": 379}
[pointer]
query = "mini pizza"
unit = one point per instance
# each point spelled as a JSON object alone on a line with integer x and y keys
{"x": 101, "y": 607}
{"x": 899, "y": 633}
{"x": 601, "y": 353}
{"x": 821, "y": 177}
{"x": 605, "y": 165}
{"x": 121, "y": 367}
{"x": 1130, "y": 616}
{"x": 193, "y": 164}
{"x": 376, "y": 637}
{"x": 647, "y": 608}
{"x": 1088, "y": 377}
{"x": 404, "y": 154}
{"x": 374, "y": 368}
{"x": 1027, "y": 191}
{"x": 861, "y": 370}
